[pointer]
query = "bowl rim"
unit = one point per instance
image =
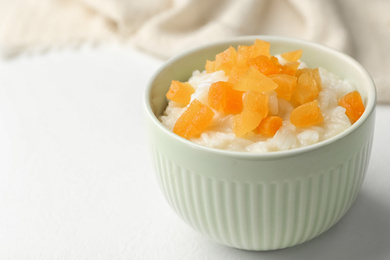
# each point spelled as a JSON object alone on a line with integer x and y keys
{"x": 369, "y": 108}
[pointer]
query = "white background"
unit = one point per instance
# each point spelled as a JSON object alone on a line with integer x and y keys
{"x": 76, "y": 180}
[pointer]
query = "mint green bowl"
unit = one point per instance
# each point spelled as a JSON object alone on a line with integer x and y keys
{"x": 261, "y": 201}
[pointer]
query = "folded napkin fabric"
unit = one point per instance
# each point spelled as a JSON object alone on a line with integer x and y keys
{"x": 166, "y": 27}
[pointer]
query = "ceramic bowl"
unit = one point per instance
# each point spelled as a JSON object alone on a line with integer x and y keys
{"x": 261, "y": 201}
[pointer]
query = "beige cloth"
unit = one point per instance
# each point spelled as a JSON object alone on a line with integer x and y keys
{"x": 165, "y": 27}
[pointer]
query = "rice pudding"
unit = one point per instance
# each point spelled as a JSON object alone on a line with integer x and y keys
{"x": 278, "y": 123}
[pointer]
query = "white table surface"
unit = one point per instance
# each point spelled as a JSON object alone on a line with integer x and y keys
{"x": 76, "y": 181}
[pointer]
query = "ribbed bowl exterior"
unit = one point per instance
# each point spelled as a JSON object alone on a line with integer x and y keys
{"x": 261, "y": 201}
{"x": 262, "y": 215}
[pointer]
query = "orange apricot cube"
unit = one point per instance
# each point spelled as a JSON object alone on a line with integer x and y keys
{"x": 261, "y": 48}
{"x": 194, "y": 120}
{"x": 226, "y": 60}
{"x": 255, "y": 109}
{"x": 286, "y": 85}
{"x": 256, "y": 102}
{"x": 306, "y": 115}
{"x": 308, "y": 85}
{"x": 290, "y": 68}
{"x": 245, "y": 53}
{"x": 255, "y": 80}
{"x": 245, "y": 122}
{"x": 315, "y": 73}
{"x": 210, "y": 66}
{"x": 222, "y": 97}
{"x": 236, "y": 73}
{"x": 292, "y": 56}
{"x": 269, "y": 125}
{"x": 265, "y": 65}
{"x": 180, "y": 92}
{"x": 353, "y": 104}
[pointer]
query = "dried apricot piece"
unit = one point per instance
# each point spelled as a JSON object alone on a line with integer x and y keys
{"x": 306, "y": 115}
{"x": 256, "y": 102}
{"x": 226, "y": 60}
{"x": 269, "y": 125}
{"x": 255, "y": 109}
{"x": 233, "y": 102}
{"x": 180, "y": 92}
{"x": 255, "y": 80}
{"x": 265, "y": 65}
{"x": 308, "y": 85}
{"x": 222, "y": 97}
{"x": 261, "y": 48}
{"x": 217, "y": 95}
{"x": 245, "y": 53}
{"x": 194, "y": 120}
{"x": 353, "y": 104}
{"x": 315, "y": 73}
{"x": 236, "y": 73}
{"x": 286, "y": 85}
{"x": 210, "y": 66}
{"x": 275, "y": 61}
{"x": 245, "y": 122}
{"x": 292, "y": 56}
{"x": 290, "y": 68}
